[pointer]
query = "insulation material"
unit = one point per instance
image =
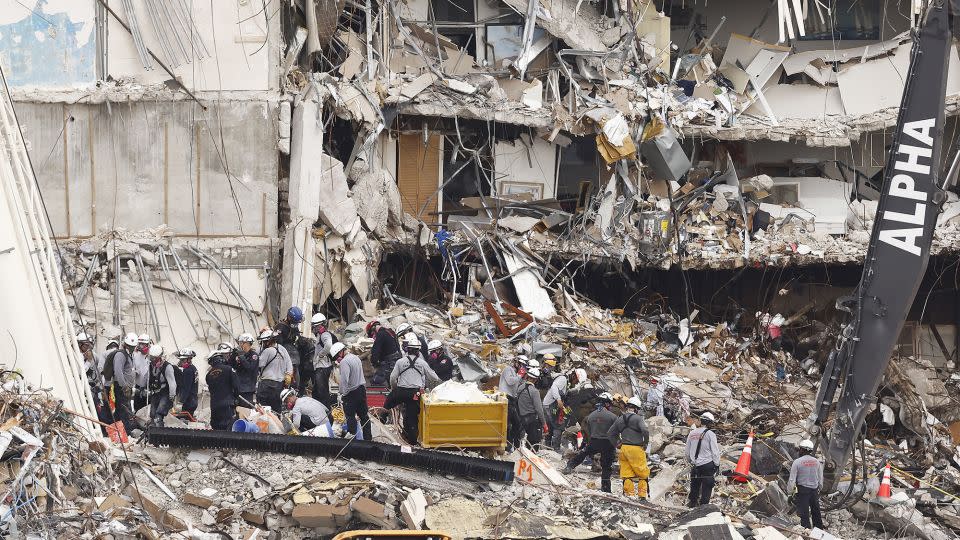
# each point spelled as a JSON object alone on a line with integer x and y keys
{"x": 533, "y": 298}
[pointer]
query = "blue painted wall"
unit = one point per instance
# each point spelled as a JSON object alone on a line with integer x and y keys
{"x": 49, "y": 50}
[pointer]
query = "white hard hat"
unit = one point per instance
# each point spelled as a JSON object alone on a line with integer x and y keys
{"x": 708, "y": 416}
{"x": 404, "y": 328}
{"x": 245, "y": 338}
{"x": 434, "y": 345}
{"x": 524, "y": 348}
{"x": 635, "y": 402}
{"x": 186, "y": 352}
{"x": 130, "y": 339}
{"x": 533, "y": 372}
{"x": 412, "y": 341}
{"x": 806, "y": 444}
{"x": 523, "y": 360}
{"x": 82, "y": 337}
{"x": 155, "y": 350}
{"x": 287, "y": 393}
{"x": 267, "y": 335}
{"x": 336, "y": 348}
{"x": 533, "y": 363}
{"x": 144, "y": 338}
{"x": 318, "y": 318}
{"x": 605, "y": 396}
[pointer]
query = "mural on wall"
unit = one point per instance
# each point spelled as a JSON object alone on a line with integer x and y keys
{"x": 48, "y": 43}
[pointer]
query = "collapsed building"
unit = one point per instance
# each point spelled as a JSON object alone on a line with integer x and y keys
{"x": 206, "y": 165}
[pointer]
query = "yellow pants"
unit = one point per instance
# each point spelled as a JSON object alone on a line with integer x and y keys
{"x": 633, "y": 468}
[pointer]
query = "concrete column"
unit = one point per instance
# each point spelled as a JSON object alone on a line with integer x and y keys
{"x": 299, "y": 247}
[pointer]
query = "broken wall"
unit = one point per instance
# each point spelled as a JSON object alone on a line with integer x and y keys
{"x": 141, "y": 164}
{"x": 526, "y": 165}
{"x": 238, "y": 47}
{"x": 48, "y": 44}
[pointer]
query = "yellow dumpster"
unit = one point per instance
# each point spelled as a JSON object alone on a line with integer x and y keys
{"x": 474, "y": 424}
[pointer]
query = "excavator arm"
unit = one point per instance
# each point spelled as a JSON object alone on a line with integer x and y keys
{"x": 910, "y": 202}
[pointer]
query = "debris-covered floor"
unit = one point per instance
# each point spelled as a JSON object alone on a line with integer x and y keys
{"x": 61, "y": 484}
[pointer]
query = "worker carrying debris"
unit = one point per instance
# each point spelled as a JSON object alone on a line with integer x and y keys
{"x": 276, "y": 371}
{"x": 703, "y": 454}
{"x": 806, "y": 475}
{"x": 224, "y": 386}
{"x": 353, "y": 390}
{"x": 162, "y": 384}
{"x": 245, "y": 361}
{"x": 384, "y": 353}
{"x": 411, "y": 375}
{"x": 322, "y": 365}
{"x": 306, "y": 413}
{"x": 598, "y": 425}
{"x": 630, "y": 434}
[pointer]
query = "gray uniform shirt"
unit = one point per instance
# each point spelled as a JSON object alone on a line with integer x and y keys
{"x": 509, "y": 381}
{"x": 141, "y": 364}
{"x": 275, "y": 363}
{"x": 311, "y": 408}
{"x": 599, "y": 422}
{"x": 123, "y": 372}
{"x": 806, "y": 471}
{"x": 415, "y": 375}
{"x": 351, "y": 374}
{"x": 529, "y": 403}
{"x": 631, "y": 429}
{"x": 558, "y": 390}
{"x": 321, "y": 358}
{"x": 709, "y": 450}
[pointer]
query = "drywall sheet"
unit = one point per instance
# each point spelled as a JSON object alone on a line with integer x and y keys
{"x": 800, "y": 101}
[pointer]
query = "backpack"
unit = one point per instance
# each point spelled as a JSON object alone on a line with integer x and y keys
{"x": 107, "y": 370}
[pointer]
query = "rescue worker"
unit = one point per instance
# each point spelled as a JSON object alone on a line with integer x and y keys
{"x": 124, "y": 377}
{"x": 655, "y": 395}
{"x": 703, "y": 455}
{"x": 188, "y": 381}
{"x": 407, "y": 328}
{"x": 162, "y": 385}
{"x": 554, "y": 406}
{"x": 547, "y": 372}
{"x": 806, "y": 474}
{"x": 306, "y": 413}
{"x": 276, "y": 371}
{"x": 411, "y": 375}
{"x": 299, "y": 349}
{"x": 353, "y": 390}
{"x": 439, "y": 360}
{"x": 322, "y": 364}
{"x": 630, "y": 434}
{"x": 384, "y": 353}
{"x": 224, "y": 386}
{"x": 92, "y": 368}
{"x": 510, "y": 378}
{"x": 598, "y": 424}
{"x": 533, "y": 419}
{"x": 141, "y": 363}
{"x": 246, "y": 363}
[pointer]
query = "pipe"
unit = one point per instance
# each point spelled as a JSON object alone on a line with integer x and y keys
{"x": 434, "y": 461}
{"x": 145, "y": 283}
{"x": 116, "y": 291}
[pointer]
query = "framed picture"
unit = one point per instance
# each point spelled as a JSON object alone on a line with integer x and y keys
{"x": 535, "y": 189}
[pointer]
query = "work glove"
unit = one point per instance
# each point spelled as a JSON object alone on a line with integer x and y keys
{"x": 546, "y": 428}
{"x": 287, "y": 379}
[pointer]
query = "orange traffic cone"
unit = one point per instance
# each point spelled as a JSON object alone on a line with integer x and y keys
{"x": 742, "y": 472}
{"x": 884, "y": 490}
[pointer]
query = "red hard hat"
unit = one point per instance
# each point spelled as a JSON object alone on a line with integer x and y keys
{"x": 370, "y": 326}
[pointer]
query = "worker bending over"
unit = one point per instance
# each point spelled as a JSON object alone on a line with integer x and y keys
{"x": 806, "y": 474}
{"x": 411, "y": 375}
{"x": 703, "y": 454}
{"x": 598, "y": 424}
{"x": 306, "y": 413}
{"x": 630, "y": 434}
